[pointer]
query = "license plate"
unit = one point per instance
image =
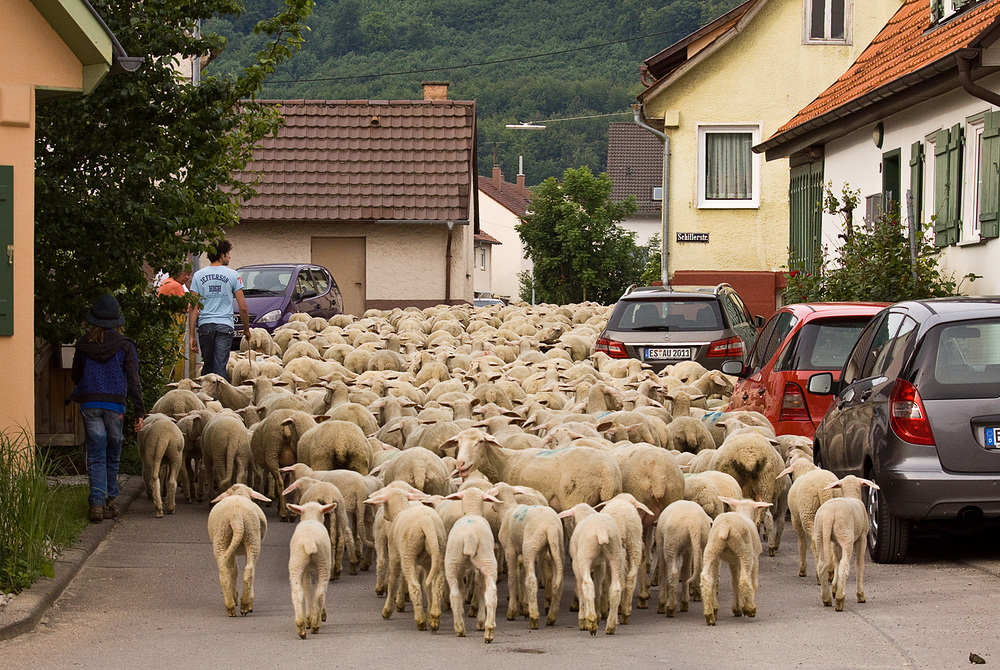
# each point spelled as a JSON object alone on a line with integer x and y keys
{"x": 668, "y": 353}
{"x": 991, "y": 438}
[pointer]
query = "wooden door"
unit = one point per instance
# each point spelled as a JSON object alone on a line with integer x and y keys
{"x": 344, "y": 257}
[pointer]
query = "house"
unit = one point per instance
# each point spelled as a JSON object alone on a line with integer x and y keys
{"x": 715, "y": 94}
{"x": 482, "y": 261}
{"x": 501, "y": 203}
{"x": 382, "y": 193}
{"x": 914, "y": 124}
{"x": 50, "y": 48}
{"x": 635, "y": 166}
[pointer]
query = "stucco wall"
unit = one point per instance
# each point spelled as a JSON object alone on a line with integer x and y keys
{"x": 855, "y": 160}
{"x": 405, "y": 262}
{"x": 507, "y": 257}
{"x": 764, "y": 75}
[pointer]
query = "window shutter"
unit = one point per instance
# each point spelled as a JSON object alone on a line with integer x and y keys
{"x": 805, "y": 215}
{"x": 955, "y": 183}
{"x": 6, "y": 244}
{"x": 959, "y": 4}
{"x": 989, "y": 175}
{"x": 937, "y": 10}
{"x": 917, "y": 182}
{"x": 947, "y": 185}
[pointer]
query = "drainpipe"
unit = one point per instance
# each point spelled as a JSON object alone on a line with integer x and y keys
{"x": 665, "y": 207}
{"x": 447, "y": 266}
{"x": 965, "y": 57}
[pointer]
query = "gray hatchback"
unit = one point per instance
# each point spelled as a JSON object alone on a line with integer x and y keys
{"x": 917, "y": 409}
{"x": 663, "y": 325}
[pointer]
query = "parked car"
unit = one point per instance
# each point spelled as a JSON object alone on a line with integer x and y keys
{"x": 275, "y": 291}
{"x": 796, "y": 342}
{"x": 916, "y": 410}
{"x": 663, "y": 325}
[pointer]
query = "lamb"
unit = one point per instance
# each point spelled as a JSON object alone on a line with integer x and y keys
{"x": 689, "y": 434}
{"x": 309, "y": 566}
{"x": 842, "y": 531}
{"x": 681, "y": 535}
{"x": 231, "y": 397}
{"x": 337, "y": 527}
{"x": 226, "y": 453}
{"x": 735, "y": 540}
{"x": 272, "y": 447}
{"x": 808, "y": 492}
{"x": 236, "y": 525}
{"x": 161, "y": 442}
{"x": 625, "y": 510}
{"x": 470, "y": 549}
{"x": 595, "y": 548}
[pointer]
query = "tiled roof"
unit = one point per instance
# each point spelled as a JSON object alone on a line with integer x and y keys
{"x": 507, "y": 195}
{"x": 635, "y": 165}
{"x": 906, "y": 52}
{"x": 486, "y": 238}
{"x": 366, "y": 160}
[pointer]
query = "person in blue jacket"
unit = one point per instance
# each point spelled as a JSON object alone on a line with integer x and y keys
{"x": 105, "y": 371}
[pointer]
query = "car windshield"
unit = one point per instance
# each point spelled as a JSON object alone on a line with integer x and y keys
{"x": 822, "y": 344}
{"x": 667, "y": 315}
{"x": 960, "y": 360}
{"x": 265, "y": 281}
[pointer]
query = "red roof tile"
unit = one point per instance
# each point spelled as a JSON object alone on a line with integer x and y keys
{"x": 635, "y": 165}
{"x": 486, "y": 238}
{"x": 507, "y": 194}
{"x": 365, "y": 159}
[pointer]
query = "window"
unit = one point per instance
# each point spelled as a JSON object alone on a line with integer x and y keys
{"x": 728, "y": 170}
{"x": 482, "y": 258}
{"x": 942, "y": 10}
{"x": 827, "y": 21}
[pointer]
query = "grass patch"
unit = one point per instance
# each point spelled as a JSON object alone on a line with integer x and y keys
{"x": 36, "y": 520}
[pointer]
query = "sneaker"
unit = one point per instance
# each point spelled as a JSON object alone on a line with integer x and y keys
{"x": 96, "y": 513}
{"x": 110, "y": 509}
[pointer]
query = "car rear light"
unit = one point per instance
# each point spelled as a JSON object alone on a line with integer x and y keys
{"x": 612, "y": 348}
{"x": 907, "y": 414}
{"x": 730, "y": 347}
{"x": 793, "y": 404}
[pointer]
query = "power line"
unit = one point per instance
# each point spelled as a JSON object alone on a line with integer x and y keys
{"x": 467, "y": 65}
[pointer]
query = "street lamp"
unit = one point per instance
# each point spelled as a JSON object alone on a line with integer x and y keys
{"x": 525, "y": 126}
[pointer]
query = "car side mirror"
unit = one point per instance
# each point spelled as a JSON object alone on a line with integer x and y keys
{"x": 821, "y": 384}
{"x": 734, "y": 368}
{"x": 758, "y": 321}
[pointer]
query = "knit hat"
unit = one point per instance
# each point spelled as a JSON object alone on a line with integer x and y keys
{"x": 105, "y": 312}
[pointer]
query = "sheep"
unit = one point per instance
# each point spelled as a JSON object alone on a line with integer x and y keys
{"x": 808, "y": 492}
{"x": 273, "y": 447}
{"x": 309, "y": 566}
{"x": 236, "y": 525}
{"x": 687, "y": 371}
{"x": 226, "y": 453}
{"x": 192, "y": 425}
{"x": 713, "y": 384}
{"x": 231, "y": 397}
{"x": 420, "y": 468}
{"x": 704, "y": 492}
{"x": 689, "y": 434}
{"x": 682, "y": 532}
{"x": 735, "y": 540}
{"x": 337, "y": 526}
{"x": 565, "y": 476}
{"x": 470, "y": 549}
{"x": 842, "y": 531}
{"x": 161, "y": 442}
{"x": 625, "y": 510}
{"x": 596, "y": 548}
{"x": 335, "y": 444}
{"x": 177, "y": 401}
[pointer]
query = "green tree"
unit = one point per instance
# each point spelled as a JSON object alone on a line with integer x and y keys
{"x": 572, "y": 236}
{"x": 653, "y": 270}
{"x": 142, "y": 170}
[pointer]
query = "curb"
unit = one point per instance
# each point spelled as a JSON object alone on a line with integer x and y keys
{"x": 26, "y": 610}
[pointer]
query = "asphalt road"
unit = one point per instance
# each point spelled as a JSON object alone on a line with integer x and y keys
{"x": 149, "y": 597}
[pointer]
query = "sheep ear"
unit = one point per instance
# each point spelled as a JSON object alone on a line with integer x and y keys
{"x": 567, "y": 513}
{"x": 786, "y": 471}
{"x": 491, "y": 498}
{"x": 761, "y": 504}
{"x": 868, "y": 482}
{"x": 295, "y": 508}
{"x": 328, "y": 508}
{"x": 291, "y": 487}
{"x": 258, "y": 496}
{"x": 287, "y": 468}
{"x": 458, "y": 495}
{"x": 834, "y": 485}
{"x": 732, "y": 502}
{"x": 685, "y": 467}
{"x": 640, "y": 506}
{"x": 221, "y": 496}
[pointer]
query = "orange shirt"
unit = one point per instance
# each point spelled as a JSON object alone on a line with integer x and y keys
{"x": 171, "y": 286}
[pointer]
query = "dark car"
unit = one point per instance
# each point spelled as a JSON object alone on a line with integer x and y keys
{"x": 275, "y": 291}
{"x": 663, "y": 325}
{"x": 917, "y": 410}
{"x": 798, "y": 341}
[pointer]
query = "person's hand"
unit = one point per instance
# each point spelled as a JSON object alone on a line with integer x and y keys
{"x": 246, "y": 332}
{"x": 194, "y": 345}
{"x": 138, "y": 423}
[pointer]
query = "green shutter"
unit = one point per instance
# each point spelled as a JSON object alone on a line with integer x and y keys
{"x": 947, "y": 185}
{"x": 955, "y": 182}
{"x": 937, "y": 10}
{"x": 805, "y": 194}
{"x": 6, "y": 248}
{"x": 989, "y": 175}
{"x": 917, "y": 182}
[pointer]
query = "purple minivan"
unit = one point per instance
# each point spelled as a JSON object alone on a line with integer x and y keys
{"x": 275, "y": 291}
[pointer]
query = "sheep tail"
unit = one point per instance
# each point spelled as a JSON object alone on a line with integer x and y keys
{"x": 239, "y": 529}
{"x": 419, "y": 478}
{"x": 471, "y": 544}
{"x": 602, "y": 536}
{"x": 310, "y": 546}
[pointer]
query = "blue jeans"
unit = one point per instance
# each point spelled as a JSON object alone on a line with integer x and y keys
{"x": 103, "y": 429}
{"x": 215, "y": 340}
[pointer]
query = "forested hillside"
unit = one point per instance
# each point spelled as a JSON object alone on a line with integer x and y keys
{"x": 521, "y": 60}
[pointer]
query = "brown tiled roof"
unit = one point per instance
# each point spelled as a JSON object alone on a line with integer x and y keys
{"x": 486, "y": 238}
{"x": 366, "y": 160}
{"x": 635, "y": 164}
{"x": 506, "y": 195}
{"x": 905, "y": 53}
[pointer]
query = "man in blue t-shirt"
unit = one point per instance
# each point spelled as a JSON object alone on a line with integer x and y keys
{"x": 211, "y": 322}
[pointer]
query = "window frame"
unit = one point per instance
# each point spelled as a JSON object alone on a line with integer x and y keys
{"x": 972, "y": 184}
{"x": 754, "y": 130}
{"x": 807, "y": 11}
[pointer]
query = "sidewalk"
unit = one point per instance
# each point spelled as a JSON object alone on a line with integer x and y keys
{"x": 27, "y": 609}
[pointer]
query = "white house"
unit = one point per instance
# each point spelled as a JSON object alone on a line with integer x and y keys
{"x": 500, "y": 205}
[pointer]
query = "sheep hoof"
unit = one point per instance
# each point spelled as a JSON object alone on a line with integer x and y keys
{"x": 751, "y": 612}
{"x": 593, "y": 632}
{"x": 323, "y": 616}
{"x": 421, "y": 625}
{"x": 354, "y": 569}
{"x": 861, "y": 597}
{"x": 802, "y": 573}
{"x": 840, "y": 605}
{"x": 386, "y": 612}
{"x": 642, "y": 603}
{"x": 302, "y": 632}
{"x": 159, "y": 514}
{"x": 231, "y": 611}
{"x": 533, "y": 622}
{"x": 827, "y": 603}
{"x": 488, "y": 637}
{"x": 670, "y": 613}
{"x": 771, "y": 551}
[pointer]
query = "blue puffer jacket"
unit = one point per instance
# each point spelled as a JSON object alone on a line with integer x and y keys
{"x": 107, "y": 372}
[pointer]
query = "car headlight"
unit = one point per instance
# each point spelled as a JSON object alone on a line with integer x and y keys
{"x": 271, "y": 316}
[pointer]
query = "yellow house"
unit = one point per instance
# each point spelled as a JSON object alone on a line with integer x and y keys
{"x": 49, "y": 48}
{"x": 718, "y": 92}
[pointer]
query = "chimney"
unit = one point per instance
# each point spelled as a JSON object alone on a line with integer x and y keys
{"x": 520, "y": 176}
{"x": 435, "y": 90}
{"x": 497, "y": 177}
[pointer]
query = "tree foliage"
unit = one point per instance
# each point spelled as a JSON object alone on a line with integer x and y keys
{"x": 571, "y": 235}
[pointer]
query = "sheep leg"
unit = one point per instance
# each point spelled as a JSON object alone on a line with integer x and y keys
{"x": 435, "y": 582}
{"x": 734, "y": 572}
{"x": 803, "y": 542}
{"x": 227, "y": 579}
{"x": 553, "y": 583}
{"x": 628, "y": 586}
{"x": 748, "y": 588}
{"x": 663, "y": 570}
{"x": 487, "y": 578}
{"x": 683, "y": 582}
{"x": 246, "y": 602}
{"x": 154, "y": 485}
{"x": 643, "y": 585}
{"x": 859, "y": 551}
{"x": 392, "y": 589}
{"x": 296, "y": 579}
{"x": 768, "y": 526}
{"x": 513, "y": 583}
{"x": 586, "y": 592}
{"x": 843, "y": 568}
{"x": 530, "y": 581}
{"x": 456, "y": 599}
{"x": 416, "y": 592}
{"x": 615, "y": 595}
{"x": 709, "y": 589}
{"x": 173, "y": 471}
{"x": 696, "y": 564}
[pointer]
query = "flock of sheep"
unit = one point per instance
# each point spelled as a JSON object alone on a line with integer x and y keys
{"x": 450, "y": 444}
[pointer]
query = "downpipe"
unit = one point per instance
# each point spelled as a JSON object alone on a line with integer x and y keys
{"x": 665, "y": 206}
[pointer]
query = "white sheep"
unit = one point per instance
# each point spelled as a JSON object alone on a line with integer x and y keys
{"x": 681, "y": 535}
{"x": 226, "y": 455}
{"x": 236, "y": 526}
{"x": 807, "y": 493}
{"x": 337, "y": 526}
{"x": 470, "y": 554}
{"x": 627, "y": 513}
{"x": 595, "y": 549}
{"x": 841, "y": 533}
{"x": 734, "y": 539}
{"x": 161, "y": 443}
{"x": 309, "y": 566}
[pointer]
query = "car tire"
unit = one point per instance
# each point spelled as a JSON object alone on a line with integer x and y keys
{"x": 888, "y": 535}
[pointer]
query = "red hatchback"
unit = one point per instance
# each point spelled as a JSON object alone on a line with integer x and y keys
{"x": 796, "y": 342}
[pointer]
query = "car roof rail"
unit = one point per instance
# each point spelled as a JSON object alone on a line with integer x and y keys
{"x": 721, "y": 286}
{"x": 630, "y": 288}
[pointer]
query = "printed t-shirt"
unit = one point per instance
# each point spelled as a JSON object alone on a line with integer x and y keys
{"x": 216, "y": 285}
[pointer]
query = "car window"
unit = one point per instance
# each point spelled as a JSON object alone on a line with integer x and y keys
{"x": 878, "y": 356}
{"x": 852, "y": 370}
{"x": 774, "y": 333}
{"x": 891, "y": 358}
{"x": 740, "y": 305}
{"x": 960, "y": 360}
{"x": 734, "y": 313}
{"x": 667, "y": 315}
{"x": 320, "y": 280}
{"x": 821, "y": 344}
{"x": 263, "y": 281}
{"x": 303, "y": 285}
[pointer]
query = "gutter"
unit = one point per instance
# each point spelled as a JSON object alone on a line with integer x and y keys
{"x": 964, "y": 58}
{"x": 665, "y": 206}
{"x": 121, "y": 62}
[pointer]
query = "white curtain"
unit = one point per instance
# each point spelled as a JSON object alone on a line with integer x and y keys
{"x": 728, "y": 166}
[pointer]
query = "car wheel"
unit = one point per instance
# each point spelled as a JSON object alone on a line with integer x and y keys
{"x": 888, "y": 535}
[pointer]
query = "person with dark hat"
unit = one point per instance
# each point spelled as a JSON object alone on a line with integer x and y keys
{"x": 105, "y": 371}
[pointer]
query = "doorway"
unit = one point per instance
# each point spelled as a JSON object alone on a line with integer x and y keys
{"x": 345, "y": 258}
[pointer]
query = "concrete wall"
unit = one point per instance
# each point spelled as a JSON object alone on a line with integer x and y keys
{"x": 405, "y": 262}
{"x": 765, "y": 75}
{"x": 855, "y": 160}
